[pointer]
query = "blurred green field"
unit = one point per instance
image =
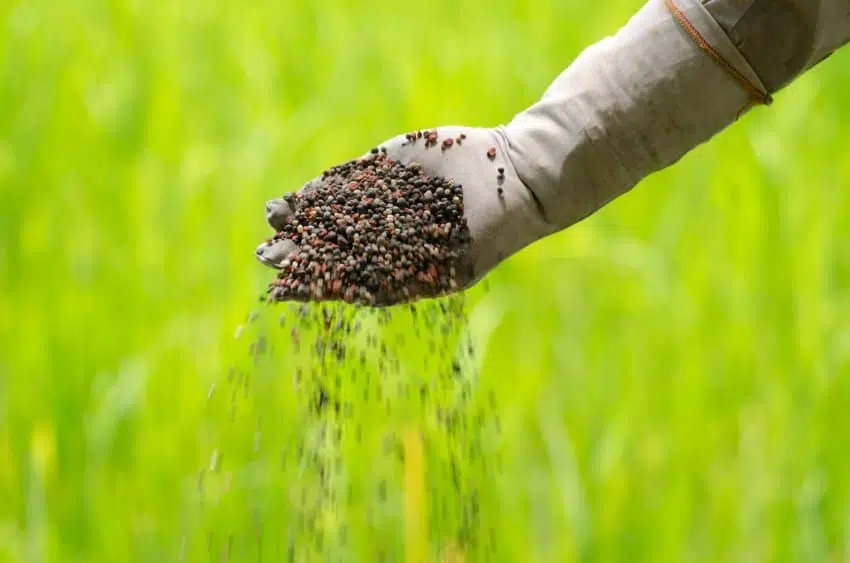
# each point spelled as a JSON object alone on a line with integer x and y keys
{"x": 673, "y": 374}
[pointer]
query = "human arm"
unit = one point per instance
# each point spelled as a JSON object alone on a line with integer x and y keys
{"x": 675, "y": 75}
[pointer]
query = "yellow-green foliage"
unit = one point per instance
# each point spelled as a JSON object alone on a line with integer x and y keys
{"x": 671, "y": 374}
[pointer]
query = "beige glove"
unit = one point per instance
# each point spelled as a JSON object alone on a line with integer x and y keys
{"x": 628, "y": 106}
{"x": 502, "y": 213}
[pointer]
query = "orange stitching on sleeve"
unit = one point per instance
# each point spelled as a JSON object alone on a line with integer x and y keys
{"x": 757, "y": 93}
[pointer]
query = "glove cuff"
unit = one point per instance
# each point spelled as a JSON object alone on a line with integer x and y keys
{"x": 629, "y": 105}
{"x": 712, "y": 39}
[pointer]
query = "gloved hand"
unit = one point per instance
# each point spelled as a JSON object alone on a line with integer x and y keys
{"x": 502, "y": 213}
{"x": 629, "y": 105}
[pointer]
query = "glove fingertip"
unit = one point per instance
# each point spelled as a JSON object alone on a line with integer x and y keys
{"x": 275, "y": 253}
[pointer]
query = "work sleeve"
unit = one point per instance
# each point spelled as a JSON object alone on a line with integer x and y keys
{"x": 676, "y": 74}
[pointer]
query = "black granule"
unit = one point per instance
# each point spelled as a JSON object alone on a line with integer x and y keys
{"x": 430, "y": 138}
{"x": 375, "y": 232}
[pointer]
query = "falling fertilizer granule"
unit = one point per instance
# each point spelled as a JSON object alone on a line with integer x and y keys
{"x": 354, "y": 434}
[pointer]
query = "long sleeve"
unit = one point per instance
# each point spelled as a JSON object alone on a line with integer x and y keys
{"x": 678, "y": 73}
{"x": 783, "y": 38}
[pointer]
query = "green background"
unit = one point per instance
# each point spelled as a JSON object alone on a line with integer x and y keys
{"x": 672, "y": 373}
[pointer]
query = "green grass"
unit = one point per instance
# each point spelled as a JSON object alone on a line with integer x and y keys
{"x": 671, "y": 374}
